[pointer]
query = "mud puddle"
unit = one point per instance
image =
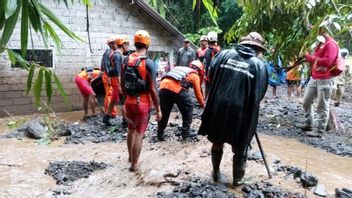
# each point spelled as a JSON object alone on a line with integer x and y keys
{"x": 22, "y": 165}
{"x": 278, "y": 117}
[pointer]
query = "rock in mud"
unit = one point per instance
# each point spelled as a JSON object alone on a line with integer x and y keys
{"x": 255, "y": 156}
{"x": 36, "y": 129}
{"x": 343, "y": 193}
{"x": 197, "y": 187}
{"x": 65, "y": 172}
{"x": 94, "y": 130}
{"x": 308, "y": 180}
{"x": 266, "y": 189}
{"x": 320, "y": 191}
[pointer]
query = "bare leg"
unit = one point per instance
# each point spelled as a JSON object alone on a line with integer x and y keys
{"x": 289, "y": 92}
{"x": 92, "y": 103}
{"x": 274, "y": 91}
{"x": 85, "y": 105}
{"x": 136, "y": 149}
{"x": 129, "y": 143}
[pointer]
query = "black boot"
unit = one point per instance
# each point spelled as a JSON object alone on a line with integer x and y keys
{"x": 124, "y": 123}
{"x": 216, "y": 156}
{"x": 238, "y": 170}
{"x": 160, "y": 135}
{"x": 106, "y": 119}
{"x": 187, "y": 134}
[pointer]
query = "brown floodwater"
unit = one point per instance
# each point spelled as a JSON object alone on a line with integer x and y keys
{"x": 22, "y": 165}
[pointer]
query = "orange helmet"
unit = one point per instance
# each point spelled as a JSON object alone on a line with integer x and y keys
{"x": 121, "y": 40}
{"x": 198, "y": 66}
{"x": 142, "y": 37}
{"x": 110, "y": 39}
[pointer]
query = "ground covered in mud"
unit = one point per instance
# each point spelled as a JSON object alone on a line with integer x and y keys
{"x": 278, "y": 116}
{"x": 91, "y": 159}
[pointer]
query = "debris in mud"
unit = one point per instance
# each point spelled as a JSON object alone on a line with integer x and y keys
{"x": 36, "y": 129}
{"x": 266, "y": 189}
{"x": 94, "y": 130}
{"x": 255, "y": 156}
{"x": 286, "y": 114}
{"x": 65, "y": 172}
{"x": 343, "y": 193}
{"x": 197, "y": 187}
{"x": 305, "y": 178}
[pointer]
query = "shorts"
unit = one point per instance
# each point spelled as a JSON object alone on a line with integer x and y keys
{"x": 84, "y": 87}
{"x": 115, "y": 90}
{"x": 139, "y": 116}
{"x": 293, "y": 82}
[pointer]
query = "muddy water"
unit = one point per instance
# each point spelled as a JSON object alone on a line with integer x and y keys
{"x": 22, "y": 165}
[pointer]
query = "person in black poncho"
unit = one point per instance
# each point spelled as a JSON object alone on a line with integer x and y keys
{"x": 239, "y": 81}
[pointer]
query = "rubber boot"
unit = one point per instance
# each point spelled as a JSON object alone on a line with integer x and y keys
{"x": 106, "y": 119}
{"x": 216, "y": 156}
{"x": 185, "y": 132}
{"x": 238, "y": 170}
{"x": 160, "y": 135}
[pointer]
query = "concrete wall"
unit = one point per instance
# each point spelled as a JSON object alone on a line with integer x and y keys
{"x": 113, "y": 17}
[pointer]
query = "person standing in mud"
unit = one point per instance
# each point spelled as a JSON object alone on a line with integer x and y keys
{"x": 139, "y": 86}
{"x": 116, "y": 62}
{"x": 105, "y": 68}
{"x": 320, "y": 86}
{"x": 239, "y": 82}
{"x": 174, "y": 88}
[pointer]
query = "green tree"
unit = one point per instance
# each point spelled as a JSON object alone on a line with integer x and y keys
{"x": 290, "y": 27}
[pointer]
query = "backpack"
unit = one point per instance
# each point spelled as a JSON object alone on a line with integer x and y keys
{"x": 110, "y": 68}
{"x": 133, "y": 83}
{"x": 339, "y": 64}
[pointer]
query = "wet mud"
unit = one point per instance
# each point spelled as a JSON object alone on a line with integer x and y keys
{"x": 279, "y": 117}
{"x": 197, "y": 187}
{"x": 94, "y": 130}
{"x": 65, "y": 172}
{"x": 266, "y": 189}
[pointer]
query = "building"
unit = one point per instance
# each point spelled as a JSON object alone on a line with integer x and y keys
{"x": 122, "y": 17}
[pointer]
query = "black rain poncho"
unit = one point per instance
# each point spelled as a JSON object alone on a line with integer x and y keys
{"x": 239, "y": 81}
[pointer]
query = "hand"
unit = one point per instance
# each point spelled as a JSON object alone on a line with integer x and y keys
{"x": 158, "y": 116}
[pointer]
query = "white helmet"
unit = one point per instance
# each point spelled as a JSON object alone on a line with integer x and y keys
{"x": 212, "y": 36}
{"x": 203, "y": 38}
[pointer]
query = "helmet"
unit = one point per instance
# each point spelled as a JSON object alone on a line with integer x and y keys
{"x": 212, "y": 36}
{"x": 203, "y": 38}
{"x": 344, "y": 52}
{"x": 110, "y": 39}
{"x": 126, "y": 40}
{"x": 142, "y": 37}
{"x": 199, "y": 65}
{"x": 254, "y": 39}
{"x": 119, "y": 41}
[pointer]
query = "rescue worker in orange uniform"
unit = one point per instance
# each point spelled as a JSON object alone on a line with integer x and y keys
{"x": 82, "y": 81}
{"x": 105, "y": 66}
{"x": 116, "y": 61}
{"x": 174, "y": 88}
{"x": 139, "y": 86}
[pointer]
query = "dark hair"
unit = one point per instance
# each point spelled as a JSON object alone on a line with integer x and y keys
{"x": 211, "y": 42}
{"x": 140, "y": 46}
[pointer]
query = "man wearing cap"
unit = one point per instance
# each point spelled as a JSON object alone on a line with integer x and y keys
{"x": 320, "y": 86}
{"x": 185, "y": 54}
{"x": 202, "y": 48}
{"x": 239, "y": 82}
